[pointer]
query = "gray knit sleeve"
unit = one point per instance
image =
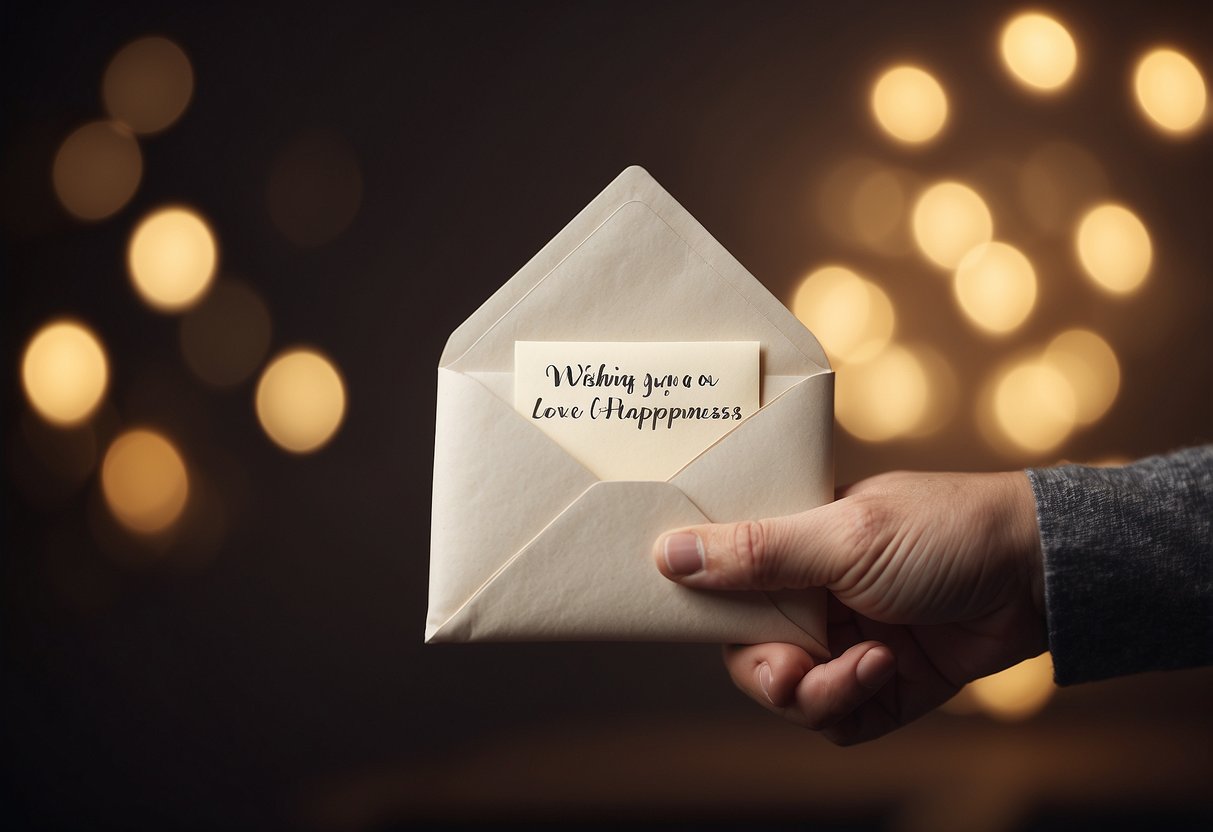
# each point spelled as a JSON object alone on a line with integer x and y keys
{"x": 1128, "y": 558}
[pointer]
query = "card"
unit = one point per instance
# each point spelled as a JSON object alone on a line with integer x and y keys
{"x": 636, "y": 410}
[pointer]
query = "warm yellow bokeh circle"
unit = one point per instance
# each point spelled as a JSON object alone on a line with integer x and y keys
{"x": 1170, "y": 91}
{"x": 300, "y": 400}
{"x": 949, "y": 221}
{"x": 851, "y": 317}
{"x": 1035, "y": 406}
{"x": 97, "y": 170}
{"x": 885, "y": 398}
{"x": 64, "y": 372}
{"x": 1114, "y": 248}
{"x": 1089, "y": 364}
{"x": 995, "y": 285}
{"x": 144, "y": 481}
{"x": 1039, "y": 51}
{"x": 148, "y": 84}
{"x": 909, "y": 104}
{"x": 172, "y": 258}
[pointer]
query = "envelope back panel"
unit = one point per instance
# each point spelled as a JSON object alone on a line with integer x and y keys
{"x": 590, "y": 576}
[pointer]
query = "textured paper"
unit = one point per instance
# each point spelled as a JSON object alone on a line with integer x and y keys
{"x": 525, "y": 542}
{"x": 630, "y": 410}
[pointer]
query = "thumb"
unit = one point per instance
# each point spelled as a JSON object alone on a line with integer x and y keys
{"x": 792, "y": 552}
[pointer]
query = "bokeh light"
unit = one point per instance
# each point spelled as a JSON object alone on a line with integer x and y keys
{"x": 300, "y": 400}
{"x": 97, "y": 170}
{"x": 1089, "y": 364}
{"x": 863, "y": 202}
{"x": 225, "y": 337}
{"x": 950, "y": 219}
{"x": 878, "y": 211}
{"x": 851, "y": 317}
{"x": 884, "y": 398}
{"x": 995, "y": 285}
{"x": 1056, "y": 182}
{"x": 64, "y": 372}
{"x": 1039, "y": 51}
{"x": 1114, "y": 248}
{"x": 172, "y": 257}
{"x": 1017, "y": 692}
{"x": 1170, "y": 91}
{"x": 943, "y": 388}
{"x": 144, "y": 481}
{"x": 315, "y": 188}
{"x": 1034, "y": 406}
{"x": 909, "y": 104}
{"x": 148, "y": 84}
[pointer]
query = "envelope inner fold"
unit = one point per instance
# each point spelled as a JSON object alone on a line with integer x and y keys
{"x": 634, "y": 279}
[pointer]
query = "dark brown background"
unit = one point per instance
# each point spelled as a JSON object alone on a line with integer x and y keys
{"x": 275, "y": 676}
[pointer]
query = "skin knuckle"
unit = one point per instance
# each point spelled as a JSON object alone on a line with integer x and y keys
{"x": 821, "y": 711}
{"x": 864, "y": 524}
{"x": 751, "y": 548}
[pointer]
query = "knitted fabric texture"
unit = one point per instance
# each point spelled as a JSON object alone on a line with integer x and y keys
{"x": 1128, "y": 560}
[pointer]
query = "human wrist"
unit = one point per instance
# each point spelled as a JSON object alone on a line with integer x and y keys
{"x": 1023, "y": 531}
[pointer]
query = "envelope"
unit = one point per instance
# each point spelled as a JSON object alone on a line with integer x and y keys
{"x": 528, "y": 545}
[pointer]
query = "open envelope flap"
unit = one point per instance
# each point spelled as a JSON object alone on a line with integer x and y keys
{"x": 590, "y": 576}
{"x": 498, "y": 480}
{"x": 633, "y": 266}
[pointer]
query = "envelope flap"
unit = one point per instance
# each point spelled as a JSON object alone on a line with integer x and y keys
{"x": 496, "y": 476}
{"x": 633, "y": 265}
{"x": 590, "y": 575}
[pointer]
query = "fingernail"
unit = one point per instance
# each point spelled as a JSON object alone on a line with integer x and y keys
{"x": 764, "y": 680}
{"x": 684, "y": 553}
{"x": 875, "y": 667}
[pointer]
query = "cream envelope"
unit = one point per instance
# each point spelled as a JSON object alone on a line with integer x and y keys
{"x": 526, "y": 544}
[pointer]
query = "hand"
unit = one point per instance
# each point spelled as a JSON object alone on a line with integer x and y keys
{"x": 934, "y": 580}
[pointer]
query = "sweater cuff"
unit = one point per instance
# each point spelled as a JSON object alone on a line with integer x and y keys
{"x": 1127, "y": 564}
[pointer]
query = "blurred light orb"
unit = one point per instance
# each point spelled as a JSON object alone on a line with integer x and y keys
{"x": 884, "y": 398}
{"x": 1035, "y": 406}
{"x": 1056, "y": 182}
{"x": 315, "y": 188}
{"x": 995, "y": 285}
{"x": 1089, "y": 365}
{"x": 1170, "y": 91}
{"x": 1114, "y": 248}
{"x": 943, "y": 387}
{"x": 950, "y": 220}
{"x": 65, "y": 372}
{"x": 300, "y": 400}
{"x": 97, "y": 170}
{"x": 852, "y": 317}
{"x": 1018, "y": 692}
{"x": 1039, "y": 51}
{"x": 144, "y": 481}
{"x": 878, "y": 209}
{"x": 148, "y": 84}
{"x": 172, "y": 257}
{"x": 225, "y": 337}
{"x": 909, "y": 104}
{"x": 838, "y": 187}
